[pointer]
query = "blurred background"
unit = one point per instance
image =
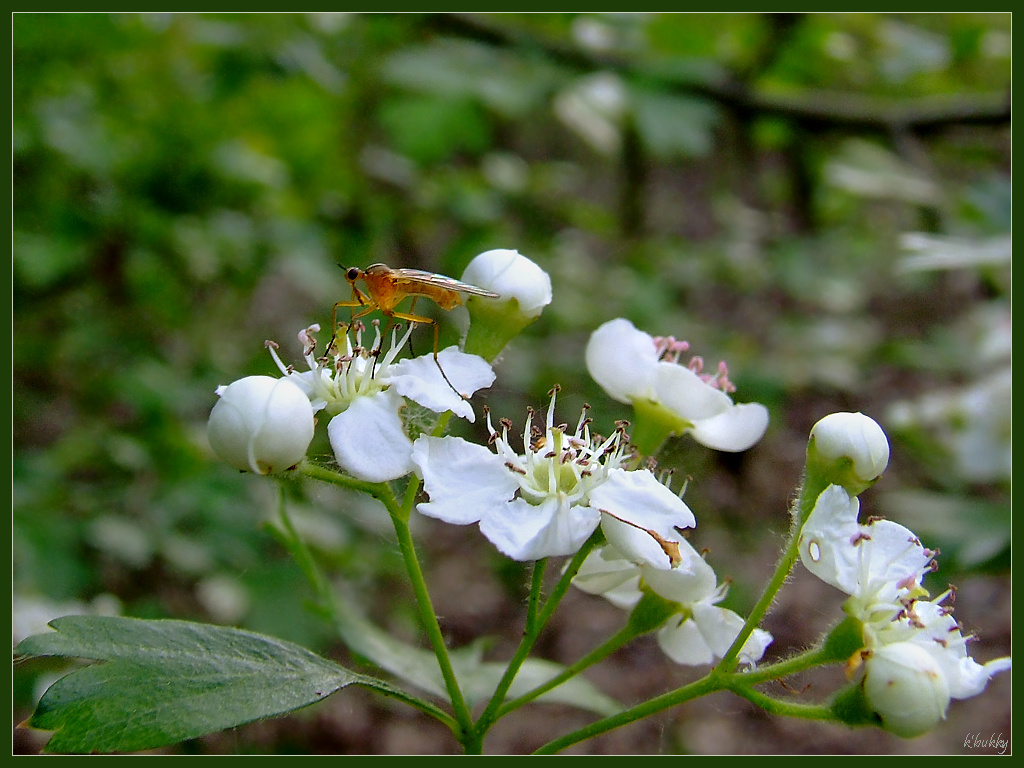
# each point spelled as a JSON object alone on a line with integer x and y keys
{"x": 823, "y": 201}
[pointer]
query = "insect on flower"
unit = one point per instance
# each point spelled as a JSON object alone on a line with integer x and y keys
{"x": 386, "y": 288}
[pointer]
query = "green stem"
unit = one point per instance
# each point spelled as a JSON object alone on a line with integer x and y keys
{"x": 810, "y": 658}
{"x": 708, "y": 684}
{"x": 604, "y": 650}
{"x": 325, "y": 597}
{"x": 781, "y": 708}
{"x": 532, "y": 631}
{"x": 801, "y": 508}
{"x": 533, "y": 602}
{"x": 400, "y": 520}
{"x": 740, "y": 683}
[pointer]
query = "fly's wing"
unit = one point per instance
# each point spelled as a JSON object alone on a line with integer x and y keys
{"x": 418, "y": 277}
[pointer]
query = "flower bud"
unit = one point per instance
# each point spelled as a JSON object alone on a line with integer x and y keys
{"x": 906, "y": 687}
{"x": 261, "y": 424}
{"x": 524, "y": 290}
{"x": 847, "y": 449}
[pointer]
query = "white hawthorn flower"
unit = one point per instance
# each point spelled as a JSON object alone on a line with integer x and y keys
{"x": 911, "y": 644}
{"x": 700, "y": 632}
{"x": 261, "y": 424}
{"x": 874, "y": 563}
{"x": 363, "y": 389}
{"x": 547, "y": 500}
{"x": 634, "y": 367}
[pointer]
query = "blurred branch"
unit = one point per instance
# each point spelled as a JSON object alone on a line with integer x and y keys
{"x": 809, "y": 108}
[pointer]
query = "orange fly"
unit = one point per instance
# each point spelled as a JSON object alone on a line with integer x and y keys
{"x": 386, "y": 288}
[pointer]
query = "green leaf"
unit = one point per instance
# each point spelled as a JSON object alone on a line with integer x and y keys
{"x": 674, "y": 126}
{"x": 478, "y": 679}
{"x": 164, "y": 681}
{"x": 449, "y": 68}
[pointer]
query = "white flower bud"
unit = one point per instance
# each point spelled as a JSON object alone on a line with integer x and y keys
{"x": 512, "y": 276}
{"x": 855, "y": 437}
{"x": 907, "y": 688}
{"x": 523, "y": 289}
{"x": 261, "y": 424}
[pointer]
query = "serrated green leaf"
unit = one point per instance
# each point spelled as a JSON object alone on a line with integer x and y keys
{"x": 161, "y": 682}
{"x": 478, "y": 679}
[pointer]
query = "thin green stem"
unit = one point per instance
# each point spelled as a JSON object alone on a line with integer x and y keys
{"x": 788, "y": 558}
{"x": 536, "y": 586}
{"x": 490, "y": 714}
{"x": 740, "y": 683}
{"x": 325, "y": 597}
{"x": 327, "y": 475}
{"x": 400, "y": 520}
{"x": 708, "y": 684}
{"x": 810, "y": 658}
{"x": 604, "y": 650}
{"x": 781, "y": 708}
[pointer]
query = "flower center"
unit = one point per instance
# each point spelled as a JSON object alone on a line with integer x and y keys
{"x": 558, "y": 463}
{"x": 349, "y": 370}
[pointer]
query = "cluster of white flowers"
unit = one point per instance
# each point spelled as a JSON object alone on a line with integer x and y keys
{"x": 362, "y": 388}
{"x": 541, "y": 501}
{"x": 914, "y": 659}
{"x": 548, "y": 497}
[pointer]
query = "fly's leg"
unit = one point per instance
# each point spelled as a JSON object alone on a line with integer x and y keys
{"x": 437, "y": 330}
{"x": 358, "y": 300}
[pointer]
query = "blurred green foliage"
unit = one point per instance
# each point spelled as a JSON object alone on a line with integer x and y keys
{"x": 185, "y": 184}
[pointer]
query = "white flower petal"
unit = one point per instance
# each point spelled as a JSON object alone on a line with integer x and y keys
{"x": 607, "y": 573}
{"x": 369, "y": 441}
{"x": 707, "y": 635}
{"x": 825, "y": 540}
{"x": 692, "y": 581}
{"x": 637, "y": 503}
{"x": 734, "y": 430}
{"x": 755, "y": 646}
{"x": 940, "y": 637}
{"x": 527, "y": 532}
{"x": 421, "y": 380}
{"x": 464, "y": 481}
{"x": 874, "y": 561}
{"x": 718, "y": 626}
{"x": 684, "y": 393}
{"x": 684, "y": 643}
{"x": 622, "y": 360}
{"x": 970, "y": 677}
{"x": 892, "y": 553}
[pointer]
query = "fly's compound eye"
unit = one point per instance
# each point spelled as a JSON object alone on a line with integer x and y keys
{"x": 352, "y": 273}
